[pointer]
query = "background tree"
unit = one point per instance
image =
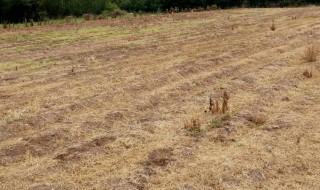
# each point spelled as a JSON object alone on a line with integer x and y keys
{"x": 18, "y": 10}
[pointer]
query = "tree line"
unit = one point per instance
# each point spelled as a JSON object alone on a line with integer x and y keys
{"x": 19, "y": 10}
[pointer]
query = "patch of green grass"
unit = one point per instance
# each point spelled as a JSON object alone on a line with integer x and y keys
{"x": 37, "y": 66}
{"x": 216, "y": 123}
{"x": 219, "y": 121}
{"x": 195, "y": 131}
{"x": 26, "y": 65}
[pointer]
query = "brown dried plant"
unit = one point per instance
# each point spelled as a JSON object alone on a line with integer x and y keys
{"x": 211, "y": 104}
{"x": 214, "y": 107}
{"x": 217, "y": 107}
{"x": 225, "y": 102}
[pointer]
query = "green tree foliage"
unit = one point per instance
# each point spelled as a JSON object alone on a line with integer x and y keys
{"x": 18, "y": 10}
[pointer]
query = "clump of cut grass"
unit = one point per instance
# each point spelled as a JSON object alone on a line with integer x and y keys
{"x": 257, "y": 118}
{"x": 193, "y": 127}
{"x": 307, "y": 74}
{"x": 273, "y": 26}
{"x": 311, "y": 54}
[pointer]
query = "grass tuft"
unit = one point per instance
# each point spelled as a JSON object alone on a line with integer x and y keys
{"x": 273, "y": 26}
{"x": 219, "y": 121}
{"x": 311, "y": 54}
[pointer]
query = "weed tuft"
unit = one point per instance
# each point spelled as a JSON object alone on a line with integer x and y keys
{"x": 311, "y": 54}
{"x": 193, "y": 127}
{"x": 273, "y": 26}
{"x": 214, "y": 107}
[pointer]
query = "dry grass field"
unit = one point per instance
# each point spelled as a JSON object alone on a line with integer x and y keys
{"x": 124, "y": 103}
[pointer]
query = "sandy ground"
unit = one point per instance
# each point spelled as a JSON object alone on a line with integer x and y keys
{"x": 106, "y": 104}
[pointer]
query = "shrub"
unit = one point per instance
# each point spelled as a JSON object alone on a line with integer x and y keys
{"x": 212, "y": 7}
{"x": 100, "y": 17}
{"x": 110, "y": 6}
{"x": 86, "y": 16}
{"x": 117, "y": 12}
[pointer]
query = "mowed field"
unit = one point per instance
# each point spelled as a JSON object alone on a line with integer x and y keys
{"x": 105, "y": 104}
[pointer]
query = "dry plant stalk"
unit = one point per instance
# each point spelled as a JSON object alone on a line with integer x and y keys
{"x": 273, "y": 27}
{"x": 307, "y": 74}
{"x": 211, "y": 105}
{"x": 216, "y": 108}
{"x": 72, "y": 70}
{"x": 311, "y": 54}
{"x": 225, "y": 102}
